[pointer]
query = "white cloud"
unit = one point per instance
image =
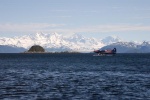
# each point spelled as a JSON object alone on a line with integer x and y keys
{"x": 27, "y": 27}
{"x": 44, "y": 27}
{"x": 117, "y": 28}
{"x": 105, "y": 28}
{"x": 142, "y": 18}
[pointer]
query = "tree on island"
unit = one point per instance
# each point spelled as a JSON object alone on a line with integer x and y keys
{"x": 39, "y": 49}
{"x": 36, "y": 49}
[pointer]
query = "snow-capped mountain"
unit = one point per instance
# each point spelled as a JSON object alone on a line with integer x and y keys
{"x": 130, "y": 47}
{"x": 55, "y": 42}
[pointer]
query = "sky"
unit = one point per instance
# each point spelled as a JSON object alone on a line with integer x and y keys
{"x": 127, "y": 19}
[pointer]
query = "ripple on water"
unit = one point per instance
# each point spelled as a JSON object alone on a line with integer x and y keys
{"x": 29, "y": 84}
{"x": 74, "y": 77}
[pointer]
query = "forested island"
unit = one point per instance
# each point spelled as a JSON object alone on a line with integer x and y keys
{"x": 40, "y": 49}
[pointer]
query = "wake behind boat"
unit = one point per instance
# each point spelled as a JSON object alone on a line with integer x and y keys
{"x": 105, "y": 52}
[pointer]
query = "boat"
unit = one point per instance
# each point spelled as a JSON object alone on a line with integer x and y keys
{"x": 105, "y": 52}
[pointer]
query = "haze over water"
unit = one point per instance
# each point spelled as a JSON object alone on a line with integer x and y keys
{"x": 74, "y": 77}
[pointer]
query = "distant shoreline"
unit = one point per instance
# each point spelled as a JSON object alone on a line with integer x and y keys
{"x": 52, "y": 52}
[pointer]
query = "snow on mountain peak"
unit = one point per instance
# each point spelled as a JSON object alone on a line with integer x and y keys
{"x": 144, "y": 43}
{"x": 56, "y": 34}
{"x": 110, "y": 39}
{"x": 76, "y": 35}
{"x": 39, "y": 35}
{"x": 54, "y": 41}
{"x": 76, "y": 42}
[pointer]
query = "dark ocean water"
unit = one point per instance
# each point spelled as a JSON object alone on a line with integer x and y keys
{"x": 74, "y": 77}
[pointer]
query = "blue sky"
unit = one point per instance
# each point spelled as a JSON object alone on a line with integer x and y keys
{"x": 128, "y": 19}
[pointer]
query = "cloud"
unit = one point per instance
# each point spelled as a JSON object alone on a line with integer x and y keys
{"x": 45, "y": 27}
{"x": 8, "y": 27}
{"x": 142, "y": 18}
{"x": 64, "y": 16}
{"x": 104, "y": 28}
{"x": 116, "y": 28}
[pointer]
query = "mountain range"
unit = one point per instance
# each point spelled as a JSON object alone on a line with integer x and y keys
{"x": 54, "y": 42}
{"x": 130, "y": 47}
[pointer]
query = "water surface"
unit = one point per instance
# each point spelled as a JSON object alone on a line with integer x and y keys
{"x": 74, "y": 77}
